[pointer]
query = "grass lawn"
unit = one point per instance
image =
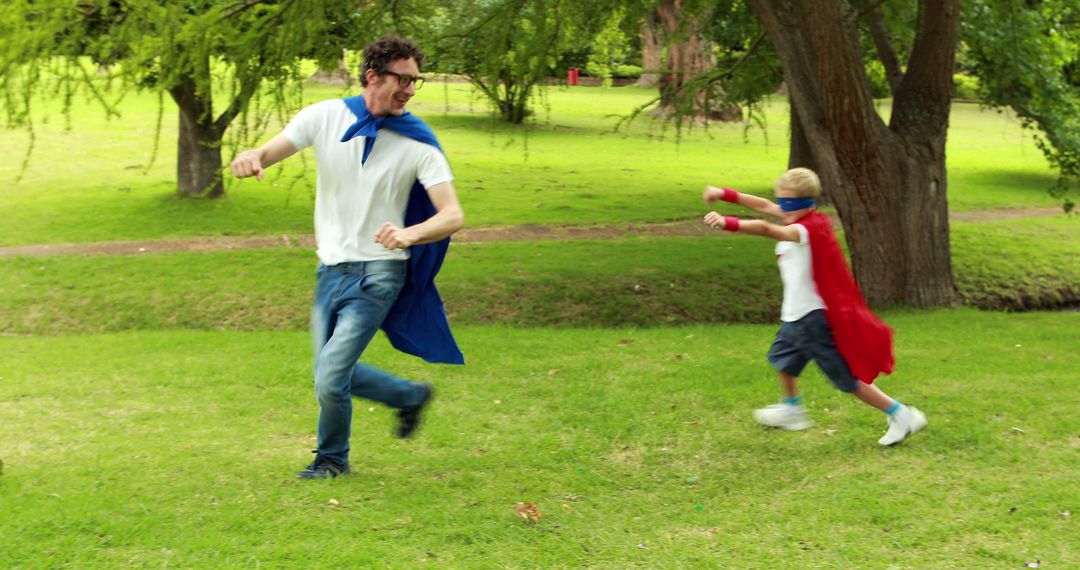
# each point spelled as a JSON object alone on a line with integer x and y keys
{"x": 178, "y": 449}
{"x": 1013, "y": 264}
{"x": 570, "y": 167}
{"x": 155, "y": 408}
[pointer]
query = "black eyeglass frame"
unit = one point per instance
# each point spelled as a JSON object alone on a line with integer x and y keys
{"x": 404, "y": 79}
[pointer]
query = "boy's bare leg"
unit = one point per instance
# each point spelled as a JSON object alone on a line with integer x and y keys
{"x": 789, "y": 384}
{"x": 789, "y": 415}
{"x": 873, "y": 396}
{"x": 903, "y": 420}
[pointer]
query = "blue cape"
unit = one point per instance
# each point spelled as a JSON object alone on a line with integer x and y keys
{"x": 417, "y": 322}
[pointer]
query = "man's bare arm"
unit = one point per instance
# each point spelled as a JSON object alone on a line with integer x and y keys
{"x": 253, "y": 162}
{"x": 449, "y": 218}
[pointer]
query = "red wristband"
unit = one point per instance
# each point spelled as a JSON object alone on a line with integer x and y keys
{"x": 730, "y": 195}
{"x": 731, "y": 224}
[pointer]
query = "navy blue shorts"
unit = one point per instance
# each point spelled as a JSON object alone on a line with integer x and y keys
{"x": 809, "y": 338}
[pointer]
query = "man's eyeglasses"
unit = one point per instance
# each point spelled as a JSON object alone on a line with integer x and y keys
{"x": 404, "y": 80}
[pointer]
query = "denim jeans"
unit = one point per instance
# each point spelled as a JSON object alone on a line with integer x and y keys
{"x": 351, "y": 301}
{"x": 809, "y": 338}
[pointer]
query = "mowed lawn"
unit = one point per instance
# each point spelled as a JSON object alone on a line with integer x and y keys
{"x": 636, "y": 446}
{"x": 92, "y": 179}
{"x": 155, "y": 408}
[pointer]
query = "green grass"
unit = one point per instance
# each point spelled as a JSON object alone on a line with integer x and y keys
{"x": 160, "y": 420}
{"x": 570, "y": 167}
{"x": 178, "y": 449}
{"x": 1015, "y": 265}
{"x": 1018, "y": 264}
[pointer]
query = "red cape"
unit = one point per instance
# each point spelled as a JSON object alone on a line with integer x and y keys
{"x": 865, "y": 342}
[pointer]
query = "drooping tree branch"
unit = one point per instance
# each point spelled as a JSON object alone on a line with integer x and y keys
{"x": 886, "y": 52}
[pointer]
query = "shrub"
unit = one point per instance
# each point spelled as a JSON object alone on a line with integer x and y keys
{"x": 965, "y": 86}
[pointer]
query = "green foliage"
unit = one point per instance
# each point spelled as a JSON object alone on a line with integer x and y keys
{"x": 626, "y": 70}
{"x": 966, "y": 87}
{"x": 609, "y": 48}
{"x": 106, "y": 48}
{"x": 506, "y": 48}
{"x": 1022, "y": 53}
{"x": 879, "y": 83}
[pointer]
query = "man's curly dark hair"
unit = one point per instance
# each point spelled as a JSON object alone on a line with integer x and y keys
{"x": 387, "y": 49}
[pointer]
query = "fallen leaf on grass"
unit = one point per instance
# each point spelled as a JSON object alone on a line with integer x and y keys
{"x": 528, "y": 512}
{"x": 625, "y": 341}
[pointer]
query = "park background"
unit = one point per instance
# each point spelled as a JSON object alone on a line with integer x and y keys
{"x": 155, "y": 394}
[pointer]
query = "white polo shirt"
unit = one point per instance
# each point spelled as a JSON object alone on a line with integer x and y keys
{"x": 353, "y": 200}
{"x": 796, "y": 271}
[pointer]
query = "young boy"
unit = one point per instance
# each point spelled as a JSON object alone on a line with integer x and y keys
{"x": 825, "y": 317}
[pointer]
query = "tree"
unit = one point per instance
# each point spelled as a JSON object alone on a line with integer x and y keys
{"x": 887, "y": 181}
{"x": 1026, "y": 56}
{"x": 505, "y": 48}
{"x": 651, "y": 50}
{"x": 196, "y": 51}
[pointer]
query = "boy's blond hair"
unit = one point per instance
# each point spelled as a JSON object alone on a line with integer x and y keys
{"x": 802, "y": 182}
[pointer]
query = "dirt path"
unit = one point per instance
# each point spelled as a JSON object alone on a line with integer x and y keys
{"x": 469, "y": 235}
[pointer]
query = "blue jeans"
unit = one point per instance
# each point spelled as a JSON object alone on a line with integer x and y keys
{"x": 351, "y": 301}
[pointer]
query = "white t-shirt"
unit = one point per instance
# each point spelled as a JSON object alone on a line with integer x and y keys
{"x": 800, "y": 292}
{"x": 353, "y": 200}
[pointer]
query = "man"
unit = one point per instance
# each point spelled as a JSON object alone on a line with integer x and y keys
{"x": 384, "y": 190}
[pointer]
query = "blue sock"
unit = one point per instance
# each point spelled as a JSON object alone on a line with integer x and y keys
{"x": 793, "y": 400}
{"x": 893, "y": 408}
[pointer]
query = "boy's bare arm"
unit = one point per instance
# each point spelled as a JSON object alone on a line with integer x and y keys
{"x": 753, "y": 227}
{"x": 755, "y": 203}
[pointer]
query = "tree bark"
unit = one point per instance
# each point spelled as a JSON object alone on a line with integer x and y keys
{"x": 889, "y": 60}
{"x": 651, "y": 45}
{"x": 887, "y": 181}
{"x": 800, "y": 154}
{"x": 198, "y": 161}
{"x": 339, "y": 75}
{"x": 688, "y": 55}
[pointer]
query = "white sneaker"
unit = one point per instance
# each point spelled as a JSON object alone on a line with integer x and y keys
{"x": 783, "y": 416}
{"x": 906, "y": 421}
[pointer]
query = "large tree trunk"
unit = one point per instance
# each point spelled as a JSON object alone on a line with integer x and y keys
{"x": 887, "y": 181}
{"x": 688, "y": 56}
{"x": 800, "y": 154}
{"x": 651, "y": 44}
{"x": 339, "y": 75}
{"x": 198, "y": 161}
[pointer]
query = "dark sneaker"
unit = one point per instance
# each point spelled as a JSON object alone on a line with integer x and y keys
{"x": 409, "y": 418}
{"x": 322, "y": 468}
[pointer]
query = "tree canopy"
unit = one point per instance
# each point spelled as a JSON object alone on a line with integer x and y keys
{"x": 210, "y": 57}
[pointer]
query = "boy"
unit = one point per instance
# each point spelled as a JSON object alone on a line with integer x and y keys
{"x": 825, "y": 318}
